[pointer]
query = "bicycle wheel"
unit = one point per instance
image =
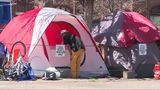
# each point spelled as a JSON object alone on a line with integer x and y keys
{"x": 20, "y": 46}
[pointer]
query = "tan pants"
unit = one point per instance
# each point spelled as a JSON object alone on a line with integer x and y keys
{"x": 75, "y": 63}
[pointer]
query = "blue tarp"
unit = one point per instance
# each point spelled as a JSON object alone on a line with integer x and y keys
{"x": 5, "y": 12}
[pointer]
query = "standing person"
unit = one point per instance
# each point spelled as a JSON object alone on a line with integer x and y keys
{"x": 77, "y": 50}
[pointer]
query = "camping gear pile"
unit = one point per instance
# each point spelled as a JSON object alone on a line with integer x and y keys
{"x": 39, "y": 31}
{"x": 20, "y": 71}
{"x": 15, "y": 69}
{"x": 130, "y": 42}
{"x": 51, "y": 74}
{"x": 3, "y": 60}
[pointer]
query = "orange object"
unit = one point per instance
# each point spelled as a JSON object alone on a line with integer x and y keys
{"x": 157, "y": 71}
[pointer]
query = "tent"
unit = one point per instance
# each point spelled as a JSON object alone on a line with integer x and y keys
{"x": 140, "y": 57}
{"x": 129, "y": 39}
{"x": 123, "y": 29}
{"x": 39, "y": 30}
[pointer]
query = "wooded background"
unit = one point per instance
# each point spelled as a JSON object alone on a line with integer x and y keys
{"x": 93, "y": 11}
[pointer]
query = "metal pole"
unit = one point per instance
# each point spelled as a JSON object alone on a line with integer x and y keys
{"x": 147, "y": 9}
{"x": 74, "y": 7}
{"x": 10, "y": 10}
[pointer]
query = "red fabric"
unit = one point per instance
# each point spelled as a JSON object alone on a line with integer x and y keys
{"x": 16, "y": 53}
{"x": 54, "y": 29}
{"x": 137, "y": 28}
{"x": 21, "y": 29}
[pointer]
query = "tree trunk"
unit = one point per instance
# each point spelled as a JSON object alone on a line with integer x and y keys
{"x": 74, "y": 7}
{"x": 88, "y": 11}
{"x": 111, "y": 5}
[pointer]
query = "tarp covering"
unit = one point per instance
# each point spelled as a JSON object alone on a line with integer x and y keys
{"x": 140, "y": 58}
{"x": 129, "y": 39}
{"x": 131, "y": 57}
{"x": 123, "y": 29}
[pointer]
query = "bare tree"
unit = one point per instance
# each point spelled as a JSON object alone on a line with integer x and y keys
{"x": 88, "y": 11}
{"x": 95, "y": 10}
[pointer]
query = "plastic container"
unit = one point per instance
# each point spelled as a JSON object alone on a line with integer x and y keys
{"x": 157, "y": 71}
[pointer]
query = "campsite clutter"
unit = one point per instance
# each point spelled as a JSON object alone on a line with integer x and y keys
{"x": 36, "y": 36}
{"x": 130, "y": 42}
{"x": 14, "y": 68}
{"x": 35, "y": 49}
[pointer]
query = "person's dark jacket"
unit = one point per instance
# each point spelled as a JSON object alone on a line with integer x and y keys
{"x": 74, "y": 42}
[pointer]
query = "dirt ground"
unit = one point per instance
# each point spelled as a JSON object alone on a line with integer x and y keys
{"x": 83, "y": 84}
